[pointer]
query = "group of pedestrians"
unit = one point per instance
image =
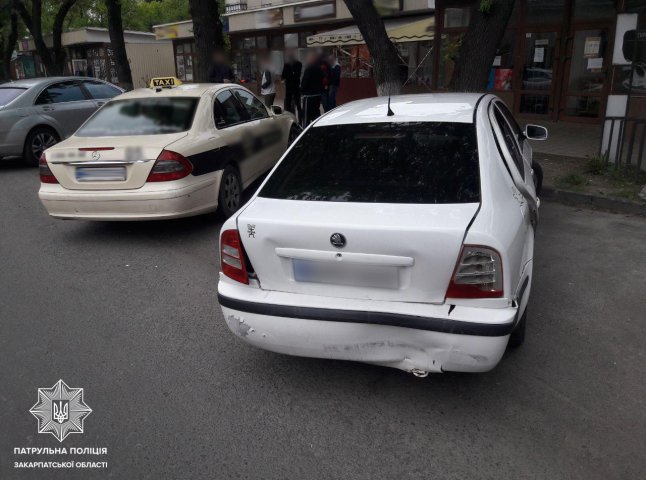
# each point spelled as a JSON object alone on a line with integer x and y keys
{"x": 317, "y": 87}
{"x": 306, "y": 90}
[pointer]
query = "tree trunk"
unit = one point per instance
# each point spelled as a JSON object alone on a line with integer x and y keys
{"x": 384, "y": 55}
{"x": 480, "y": 44}
{"x": 53, "y": 59}
{"x": 207, "y": 30}
{"x": 8, "y": 45}
{"x": 115, "y": 27}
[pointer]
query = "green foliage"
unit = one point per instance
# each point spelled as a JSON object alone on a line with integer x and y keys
{"x": 571, "y": 180}
{"x": 485, "y": 6}
{"x": 598, "y": 164}
{"x": 138, "y": 15}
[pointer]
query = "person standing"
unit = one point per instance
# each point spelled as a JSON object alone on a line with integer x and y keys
{"x": 335, "y": 82}
{"x": 311, "y": 89}
{"x": 324, "y": 65}
{"x": 267, "y": 85}
{"x": 291, "y": 76}
{"x": 220, "y": 71}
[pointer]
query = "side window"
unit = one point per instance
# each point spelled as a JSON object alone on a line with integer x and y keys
{"x": 510, "y": 141}
{"x": 60, "y": 93}
{"x": 227, "y": 110}
{"x": 520, "y": 136}
{"x": 254, "y": 106}
{"x": 99, "y": 90}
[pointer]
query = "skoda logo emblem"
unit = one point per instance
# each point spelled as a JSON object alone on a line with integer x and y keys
{"x": 337, "y": 240}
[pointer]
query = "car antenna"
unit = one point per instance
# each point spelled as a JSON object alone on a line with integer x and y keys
{"x": 389, "y": 113}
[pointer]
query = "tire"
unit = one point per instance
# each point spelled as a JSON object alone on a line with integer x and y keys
{"x": 230, "y": 193}
{"x": 517, "y": 337}
{"x": 39, "y": 139}
{"x": 294, "y": 132}
{"x": 538, "y": 176}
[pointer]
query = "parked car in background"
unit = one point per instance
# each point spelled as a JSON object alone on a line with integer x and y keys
{"x": 37, "y": 113}
{"x": 403, "y": 239}
{"x": 156, "y": 153}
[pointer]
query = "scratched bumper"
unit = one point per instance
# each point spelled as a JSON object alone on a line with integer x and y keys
{"x": 447, "y": 343}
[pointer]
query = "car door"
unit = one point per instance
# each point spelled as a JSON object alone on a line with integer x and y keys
{"x": 100, "y": 91}
{"x": 234, "y": 136}
{"x": 66, "y": 104}
{"x": 523, "y": 192}
{"x": 268, "y": 144}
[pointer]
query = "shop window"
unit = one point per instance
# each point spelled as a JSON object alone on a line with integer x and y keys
{"x": 249, "y": 43}
{"x": 184, "y": 61}
{"x": 291, "y": 40}
{"x": 456, "y": 17}
{"x": 244, "y": 66}
{"x": 277, "y": 42}
{"x": 540, "y": 12}
{"x": 261, "y": 41}
{"x": 594, "y": 10}
{"x": 501, "y": 74}
{"x": 418, "y": 62}
{"x": 534, "y": 104}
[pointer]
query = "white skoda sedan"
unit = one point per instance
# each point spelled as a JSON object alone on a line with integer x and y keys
{"x": 402, "y": 239}
{"x": 165, "y": 153}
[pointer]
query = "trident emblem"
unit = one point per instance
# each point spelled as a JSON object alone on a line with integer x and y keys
{"x": 60, "y": 410}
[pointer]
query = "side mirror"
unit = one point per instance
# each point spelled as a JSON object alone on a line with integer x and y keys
{"x": 276, "y": 109}
{"x": 535, "y": 132}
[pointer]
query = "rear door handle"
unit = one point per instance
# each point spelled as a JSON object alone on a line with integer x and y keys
{"x": 48, "y": 109}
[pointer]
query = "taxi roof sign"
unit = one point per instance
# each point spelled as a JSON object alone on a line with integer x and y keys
{"x": 165, "y": 82}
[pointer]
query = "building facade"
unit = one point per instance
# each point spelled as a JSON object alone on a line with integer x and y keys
{"x": 89, "y": 53}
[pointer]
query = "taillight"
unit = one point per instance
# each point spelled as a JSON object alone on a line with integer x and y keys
{"x": 169, "y": 166}
{"x": 478, "y": 274}
{"x": 232, "y": 256}
{"x": 46, "y": 175}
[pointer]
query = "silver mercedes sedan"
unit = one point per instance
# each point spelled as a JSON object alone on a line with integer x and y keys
{"x": 36, "y": 113}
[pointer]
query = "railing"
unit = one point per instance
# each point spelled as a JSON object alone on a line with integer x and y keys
{"x": 235, "y": 7}
{"x": 625, "y": 142}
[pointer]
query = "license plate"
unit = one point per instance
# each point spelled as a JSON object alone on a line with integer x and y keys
{"x": 100, "y": 174}
{"x": 340, "y": 273}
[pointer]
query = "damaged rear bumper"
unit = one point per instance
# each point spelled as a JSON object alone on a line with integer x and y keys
{"x": 401, "y": 335}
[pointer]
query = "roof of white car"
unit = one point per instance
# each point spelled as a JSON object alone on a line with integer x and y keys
{"x": 431, "y": 107}
{"x": 185, "y": 90}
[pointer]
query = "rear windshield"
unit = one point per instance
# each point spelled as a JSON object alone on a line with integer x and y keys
{"x": 7, "y": 94}
{"x": 382, "y": 162}
{"x": 141, "y": 116}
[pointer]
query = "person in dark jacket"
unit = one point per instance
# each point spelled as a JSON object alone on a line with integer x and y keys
{"x": 291, "y": 77}
{"x": 324, "y": 65}
{"x": 220, "y": 71}
{"x": 311, "y": 88}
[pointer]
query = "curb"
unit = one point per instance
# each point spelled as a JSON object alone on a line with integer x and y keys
{"x": 618, "y": 205}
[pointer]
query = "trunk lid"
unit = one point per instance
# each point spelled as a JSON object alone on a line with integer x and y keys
{"x": 107, "y": 163}
{"x": 397, "y": 252}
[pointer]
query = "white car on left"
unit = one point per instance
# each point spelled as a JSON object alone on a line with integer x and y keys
{"x": 165, "y": 153}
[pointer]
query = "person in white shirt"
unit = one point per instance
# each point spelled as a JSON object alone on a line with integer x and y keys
{"x": 267, "y": 84}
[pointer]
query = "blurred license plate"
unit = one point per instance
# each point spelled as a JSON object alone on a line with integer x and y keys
{"x": 339, "y": 273}
{"x": 102, "y": 174}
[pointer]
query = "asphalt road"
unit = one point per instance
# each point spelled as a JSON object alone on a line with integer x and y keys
{"x": 128, "y": 311}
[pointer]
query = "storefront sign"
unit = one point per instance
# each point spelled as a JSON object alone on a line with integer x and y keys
{"x": 308, "y": 13}
{"x": 269, "y": 18}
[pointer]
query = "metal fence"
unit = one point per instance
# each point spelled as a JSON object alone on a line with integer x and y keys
{"x": 624, "y": 141}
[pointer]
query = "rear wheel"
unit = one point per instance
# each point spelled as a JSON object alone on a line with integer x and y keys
{"x": 517, "y": 337}
{"x": 538, "y": 176}
{"x": 38, "y": 140}
{"x": 230, "y": 192}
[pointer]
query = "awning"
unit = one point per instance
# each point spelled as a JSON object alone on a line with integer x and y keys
{"x": 399, "y": 30}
